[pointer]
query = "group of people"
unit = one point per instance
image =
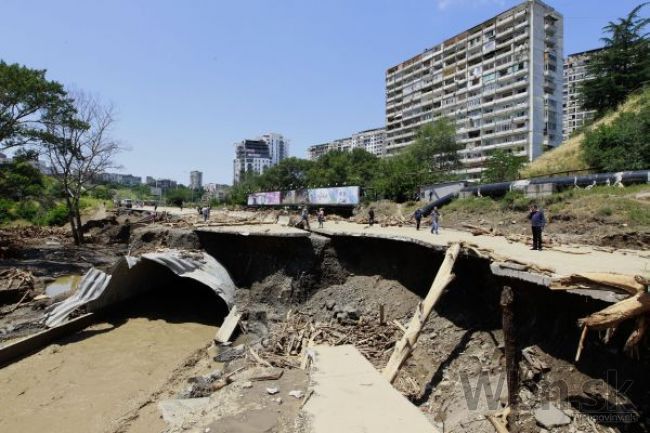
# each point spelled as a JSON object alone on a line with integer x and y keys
{"x": 535, "y": 215}
{"x": 435, "y": 219}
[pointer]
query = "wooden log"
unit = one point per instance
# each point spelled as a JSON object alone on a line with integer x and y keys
{"x": 512, "y": 358}
{"x": 228, "y": 326}
{"x": 581, "y": 342}
{"x": 405, "y": 345}
{"x": 619, "y": 282}
{"x": 617, "y": 313}
{"x": 637, "y": 335}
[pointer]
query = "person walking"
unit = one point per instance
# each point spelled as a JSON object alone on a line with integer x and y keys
{"x": 321, "y": 218}
{"x": 304, "y": 217}
{"x": 537, "y": 223}
{"x": 418, "y": 218}
{"x": 205, "y": 213}
{"x": 435, "y": 220}
{"x": 371, "y": 216}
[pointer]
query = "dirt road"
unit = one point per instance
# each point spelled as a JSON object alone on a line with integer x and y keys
{"x": 580, "y": 259}
{"x": 563, "y": 260}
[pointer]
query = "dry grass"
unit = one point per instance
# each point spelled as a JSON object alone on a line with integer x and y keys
{"x": 568, "y": 156}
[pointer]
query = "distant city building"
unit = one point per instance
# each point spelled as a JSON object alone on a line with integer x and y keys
{"x": 500, "y": 82}
{"x": 278, "y": 146}
{"x": 251, "y": 156}
{"x": 371, "y": 140}
{"x": 196, "y": 179}
{"x": 257, "y": 155}
{"x": 216, "y": 191}
{"x": 575, "y": 75}
{"x": 160, "y": 186}
{"x": 119, "y": 179}
{"x": 3, "y": 158}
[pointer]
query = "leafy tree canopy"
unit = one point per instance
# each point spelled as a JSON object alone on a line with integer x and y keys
{"x": 502, "y": 166}
{"x": 25, "y": 97}
{"x": 622, "y": 67}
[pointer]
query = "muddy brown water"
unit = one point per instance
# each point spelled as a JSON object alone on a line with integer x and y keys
{"x": 93, "y": 380}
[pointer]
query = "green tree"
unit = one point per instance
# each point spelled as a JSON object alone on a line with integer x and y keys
{"x": 336, "y": 168}
{"x": 435, "y": 147}
{"x": 394, "y": 178}
{"x": 621, "y": 145}
{"x": 25, "y": 97}
{"x": 249, "y": 182}
{"x": 78, "y": 144}
{"x": 622, "y": 67}
{"x": 179, "y": 195}
{"x": 289, "y": 174}
{"x": 20, "y": 180}
{"x": 502, "y": 166}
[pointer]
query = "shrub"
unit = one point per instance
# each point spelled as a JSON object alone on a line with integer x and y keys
{"x": 56, "y": 216}
{"x": 27, "y": 210}
{"x": 5, "y": 210}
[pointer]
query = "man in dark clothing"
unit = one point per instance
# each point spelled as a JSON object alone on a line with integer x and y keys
{"x": 537, "y": 222}
{"x": 371, "y": 216}
{"x": 418, "y": 218}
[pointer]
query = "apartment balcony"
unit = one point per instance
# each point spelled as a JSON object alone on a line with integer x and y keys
{"x": 505, "y": 145}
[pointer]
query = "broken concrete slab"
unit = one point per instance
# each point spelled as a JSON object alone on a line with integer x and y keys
{"x": 175, "y": 411}
{"x": 550, "y": 416}
{"x": 350, "y": 395}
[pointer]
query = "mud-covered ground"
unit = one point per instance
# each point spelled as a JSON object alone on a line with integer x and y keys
{"x": 455, "y": 374}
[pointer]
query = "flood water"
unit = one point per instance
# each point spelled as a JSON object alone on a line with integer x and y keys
{"x": 92, "y": 380}
{"x": 67, "y": 284}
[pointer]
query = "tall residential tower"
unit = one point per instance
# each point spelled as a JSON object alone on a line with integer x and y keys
{"x": 500, "y": 82}
{"x": 575, "y": 74}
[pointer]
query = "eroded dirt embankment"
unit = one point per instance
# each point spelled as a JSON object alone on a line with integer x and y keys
{"x": 325, "y": 278}
{"x": 107, "y": 375}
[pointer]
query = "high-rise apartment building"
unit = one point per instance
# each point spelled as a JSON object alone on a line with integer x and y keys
{"x": 259, "y": 154}
{"x": 278, "y": 146}
{"x": 575, "y": 74}
{"x": 251, "y": 156}
{"x": 500, "y": 82}
{"x": 371, "y": 140}
{"x": 196, "y": 179}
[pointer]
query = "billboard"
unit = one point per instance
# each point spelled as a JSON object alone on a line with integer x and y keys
{"x": 344, "y": 195}
{"x": 295, "y": 196}
{"x": 264, "y": 198}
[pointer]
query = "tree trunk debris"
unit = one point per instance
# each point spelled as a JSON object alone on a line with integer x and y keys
{"x": 405, "y": 346}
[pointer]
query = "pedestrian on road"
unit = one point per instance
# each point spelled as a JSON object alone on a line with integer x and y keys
{"x": 206, "y": 214}
{"x": 435, "y": 220}
{"x": 537, "y": 222}
{"x": 418, "y": 218}
{"x": 371, "y": 216}
{"x": 321, "y": 217}
{"x": 304, "y": 217}
{"x": 181, "y": 207}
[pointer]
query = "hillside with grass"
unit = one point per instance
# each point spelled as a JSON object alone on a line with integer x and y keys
{"x": 570, "y": 156}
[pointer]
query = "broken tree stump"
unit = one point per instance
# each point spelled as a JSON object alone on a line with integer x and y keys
{"x": 512, "y": 358}
{"x": 405, "y": 346}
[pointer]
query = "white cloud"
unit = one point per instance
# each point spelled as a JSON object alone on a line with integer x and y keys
{"x": 446, "y": 4}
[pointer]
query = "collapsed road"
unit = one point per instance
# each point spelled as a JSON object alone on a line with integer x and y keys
{"x": 344, "y": 284}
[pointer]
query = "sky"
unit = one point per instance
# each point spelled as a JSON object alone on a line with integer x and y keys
{"x": 190, "y": 78}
